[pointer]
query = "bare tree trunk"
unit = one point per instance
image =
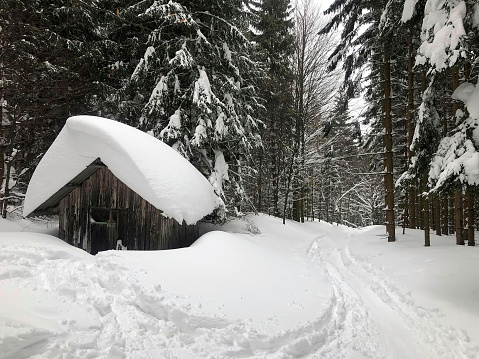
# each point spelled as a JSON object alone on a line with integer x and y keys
{"x": 312, "y": 199}
{"x": 348, "y": 213}
{"x": 8, "y": 163}
{"x": 451, "y": 227}
{"x": 2, "y": 139}
{"x": 260, "y": 182}
{"x": 445, "y": 216}
{"x": 319, "y": 206}
{"x": 425, "y": 198}
{"x": 340, "y": 205}
{"x": 388, "y": 144}
{"x": 469, "y": 191}
{"x": 302, "y": 202}
{"x": 2, "y": 162}
{"x": 470, "y": 217}
{"x": 7, "y": 190}
{"x": 275, "y": 184}
{"x": 288, "y": 189}
{"x": 425, "y": 209}
{"x": 295, "y": 204}
{"x": 458, "y": 192}
{"x": 410, "y": 133}
{"x": 437, "y": 214}
{"x": 458, "y": 216}
{"x": 328, "y": 203}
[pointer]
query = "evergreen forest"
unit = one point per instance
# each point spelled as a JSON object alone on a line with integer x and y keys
{"x": 362, "y": 113}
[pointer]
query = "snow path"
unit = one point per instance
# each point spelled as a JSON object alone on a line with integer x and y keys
{"x": 377, "y": 319}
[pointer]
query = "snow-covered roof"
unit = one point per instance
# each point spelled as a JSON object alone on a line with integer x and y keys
{"x": 145, "y": 164}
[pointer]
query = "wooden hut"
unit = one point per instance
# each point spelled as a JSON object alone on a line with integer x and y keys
{"x": 96, "y": 208}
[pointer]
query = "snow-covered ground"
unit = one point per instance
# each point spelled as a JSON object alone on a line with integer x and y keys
{"x": 299, "y": 290}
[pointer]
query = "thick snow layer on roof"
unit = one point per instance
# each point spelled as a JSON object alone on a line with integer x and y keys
{"x": 145, "y": 164}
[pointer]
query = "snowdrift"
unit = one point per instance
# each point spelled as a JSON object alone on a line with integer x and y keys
{"x": 299, "y": 290}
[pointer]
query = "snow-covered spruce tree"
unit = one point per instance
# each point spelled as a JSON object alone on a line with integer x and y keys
{"x": 455, "y": 165}
{"x": 368, "y": 40}
{"x": 51, "y": 65}
{"x": 423, "y": 145}
{"x": 273, "y": 24}
{"x": 449, "y": 44}
{"x": 341, "y": 144}
{"x": 194, "y": 87}
{"x": 409, "y": 92}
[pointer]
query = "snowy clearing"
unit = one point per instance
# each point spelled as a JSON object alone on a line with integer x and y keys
{"x": 300, "y": 290}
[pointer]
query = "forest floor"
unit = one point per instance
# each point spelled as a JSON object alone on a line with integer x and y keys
{"x": 252, "y": 288}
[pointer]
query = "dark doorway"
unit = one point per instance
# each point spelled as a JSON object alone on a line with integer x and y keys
{"x": 104, "y": 230}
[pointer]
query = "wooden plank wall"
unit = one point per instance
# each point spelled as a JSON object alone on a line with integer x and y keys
{"x": 131, "y": 218}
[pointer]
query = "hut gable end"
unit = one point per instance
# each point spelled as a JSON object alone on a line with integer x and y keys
{"x": 50, "y": 206}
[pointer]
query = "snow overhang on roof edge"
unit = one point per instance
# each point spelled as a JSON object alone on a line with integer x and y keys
{"x": 145, "y": 164}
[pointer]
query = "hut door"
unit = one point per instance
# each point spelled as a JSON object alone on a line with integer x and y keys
{"x": 104, "y": 230}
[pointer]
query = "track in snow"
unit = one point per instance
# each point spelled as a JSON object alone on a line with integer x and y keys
{"x": 366, "y": 317}
{"x": 375, "y": 319}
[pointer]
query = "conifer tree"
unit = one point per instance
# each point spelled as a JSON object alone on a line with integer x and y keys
{"x": 448, "y": 40}
{"x": 371, "y": 47}
{"x": 273, "y": 24}
{"x": 51, "y": 62}
{"x": 193, "y": 86}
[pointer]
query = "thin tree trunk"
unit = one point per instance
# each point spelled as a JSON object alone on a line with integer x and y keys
{"x": 458, "y": 216}
{"x": 420, "y": 207}
{"x": 260, "y": 183}
{"x": 7, "y": 190}
{"x": 312, "y": 199}
{"x": 458, "y": 192}
{"x": 470, "y": 217}
{"x": 295, "y": 204}
{"x": 340, "y": 205}
{"x": 425, "y": 197}
{"x": 2, "y": 162}
{"x": 348, "y": 212}
{"x": 319, "y": 206}
{"x": 288, "y": 185}
{"x": 425, "y": 208}
{"x": 410, "y": 133}
{"x": 302, "y": 202}
{"x": 451, "y": 227}
{"x": 307, "y": 199}
{"x": 275, "y": 188}
{"x": 328, "y": 202}
{"x": 388, "y": 144}
{"x": 2, "y": 139}
{"x": 469, "y": 191}
{"x": 8, "y": 164}
{"x": 437, "y": 215}
{"x": 445, "y": 215}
